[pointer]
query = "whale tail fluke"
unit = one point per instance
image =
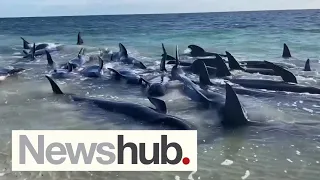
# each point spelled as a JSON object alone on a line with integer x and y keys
{"x": 286, "y": 52}
{"x": 286, "y": 75}
{"x": 307, "y": 66}
{"x": 79, "y": 40}
{"x": 25, "y": 43}
{"x": 160, "y": 105}
{"x": 233, "y": 63}
{"x": 233, "y": 113}
{"x": 54, "y": 86}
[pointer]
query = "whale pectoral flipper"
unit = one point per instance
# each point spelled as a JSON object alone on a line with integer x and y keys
{"x": 54, "y": 86}
{"x": 80, "y": 52}
{"x": 307, "y": 66}
{"x": 159, "y": 104}
{"x": 286, "y": 75}
{"x": 79, "y": 40}
{"x": 33, "y": 53}
{"x": 49, "y": 58}
{"x": 25, "y": 52}
{"x": 16, "y": 70}
{"x": 286, "y": 52}
{"x": 177, "y": 56}
{"x": 163, "y": 49}
{"x": 100, "y": 64}
{"x": 233, "y": 63}
{"x": 234, "y": 114}
{"x": 69, "y": 65}
{"x": 145, "y": 81}
{"x": 25, "y": 43}
{"x": 163, "y": 60}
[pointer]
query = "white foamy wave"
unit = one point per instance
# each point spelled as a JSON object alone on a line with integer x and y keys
{"x": 53, "y": 45}
{"x": 246, "y": 175}
{"x": 227, "y": 162}
{"x": 190, "y": 177}
{"x": 308, "y": 110}
{"x": 186, "y": 51}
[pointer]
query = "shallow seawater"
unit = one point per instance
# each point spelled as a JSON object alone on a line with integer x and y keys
{"x": 288, "y": 147}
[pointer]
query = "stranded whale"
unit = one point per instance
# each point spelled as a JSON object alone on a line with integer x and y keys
{"x": 229, "y": 108}
{"x": 148, "y": 115}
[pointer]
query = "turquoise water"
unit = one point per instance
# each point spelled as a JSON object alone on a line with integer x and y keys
{"x": 287, "y": 151}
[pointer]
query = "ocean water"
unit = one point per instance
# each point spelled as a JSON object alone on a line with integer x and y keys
{"x": 288, "y": 150}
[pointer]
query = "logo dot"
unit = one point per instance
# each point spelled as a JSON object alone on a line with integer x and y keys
{"x": 186, "y": 161}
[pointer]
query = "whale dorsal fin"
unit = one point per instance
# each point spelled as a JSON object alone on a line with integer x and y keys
{"x": 49, "y": 58}
{"x": 196, "y": 50}
{"x": 140, "y": 65}
{"x": 25, "y": 43}
{"x": 123, "y": 50}
{"x": 118, "y": 74}
{"x": 164, "y": 53}
{"x": 234, "y": 115}
{"x": 203, "y": 74}
{"x": 79, "y": 40}
{"x": 286, "y": 75}
{"x": 233, "y": 63}
{"x": 307, "y": 66}
{"x": 170, "y": 58}
{"x": 163, "y": 60}
{"x": 115, "y": 71}
{"x": 286, "y": 52}
{"x": 222, "y": 69}
{"x": 160, "y": 105}
{"x": 100, "y": 63}
{"x": 54, "y": 86}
